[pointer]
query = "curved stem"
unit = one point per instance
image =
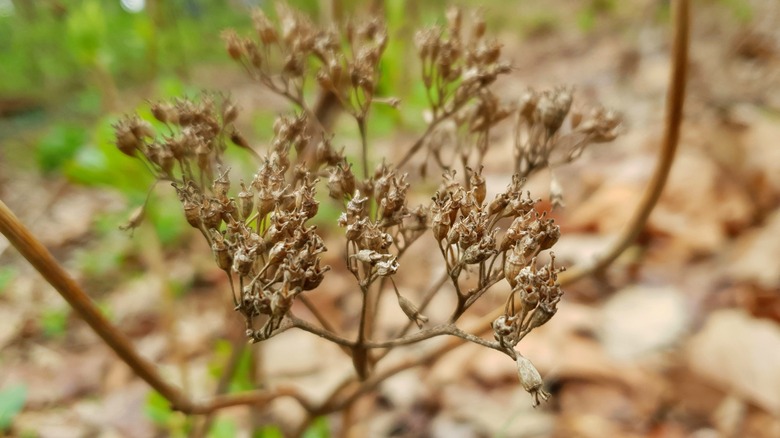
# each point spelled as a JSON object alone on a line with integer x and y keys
{"x": 673, "y": 120}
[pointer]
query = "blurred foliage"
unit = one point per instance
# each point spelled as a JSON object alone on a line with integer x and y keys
{"x": 174, "y": 423}
{"x": 12, "y": 399}
{"x": 7, "y": 275}
{"x": 54, "y": 322}
{"x": 54, "y": 45}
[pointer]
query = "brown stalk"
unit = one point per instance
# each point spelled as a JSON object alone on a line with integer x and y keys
{"x": 673, "y": 120}
{"x": 42, "y": 260}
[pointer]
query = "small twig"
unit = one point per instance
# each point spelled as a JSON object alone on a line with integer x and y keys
{"x": 42, "y": 260}
{"x": 305, "y": 325}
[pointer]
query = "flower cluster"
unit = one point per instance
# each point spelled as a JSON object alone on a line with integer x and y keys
{"x": 540, "y": 140}
{"x": 259, "y": 232}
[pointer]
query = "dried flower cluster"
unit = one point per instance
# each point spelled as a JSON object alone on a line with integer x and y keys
{"x": 258, "y": 231}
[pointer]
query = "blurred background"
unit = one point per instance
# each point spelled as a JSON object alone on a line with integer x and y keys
{"x": 680, "y": 338}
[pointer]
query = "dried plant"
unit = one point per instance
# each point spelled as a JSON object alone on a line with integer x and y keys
{"x": 258, "y": 229}
{"x": 259, "y": 234}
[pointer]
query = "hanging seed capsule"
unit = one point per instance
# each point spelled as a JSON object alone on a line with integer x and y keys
{"x": 531, "y": 380}
{"x": 411, "y": 312}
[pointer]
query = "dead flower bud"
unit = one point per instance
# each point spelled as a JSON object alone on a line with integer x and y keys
{"x": 192, "y": 213}
{"x": 164, "y": 112}
{"x": 411, "y": 311}
{"x": 386, "y": 268}
{"x": 233, "y": 44}
{"x": 246, "y": 201}
{"x": 126, "y": 140}
{"x": 369, "y": 256}
{"x": 135, "y": 219}
{"x": 514, "y": 263}
{"x": 477, "y": 182}
{"x": 221, "y": 254}
{"x": 531, "y": 380}
{"x": 264, "y": 28}
{"x": 504, "y": 326}
{"x": 221, "y": 186}
{"x": 543, "y": 313}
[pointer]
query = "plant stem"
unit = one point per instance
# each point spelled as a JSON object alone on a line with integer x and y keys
{"x": 42, "y": 260}
{"x": 673, "y": 120}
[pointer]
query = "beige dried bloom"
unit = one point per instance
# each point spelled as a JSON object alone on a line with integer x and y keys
{"x": 531, "y": 380}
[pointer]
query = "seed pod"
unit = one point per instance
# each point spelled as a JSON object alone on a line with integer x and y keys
{"x": 478, "y": 184}
{"x": 513, "y": 264}
{"x": 221, "y": 254}
{"x": 411, "y": 312}
{"x": 192, "y": 213}
{"x": 243, "y": 261}
{"x": 543, "y": 313}
{"x": 211, "y": 216}
{"x": 498, "y": 204}
{"x": 232, "y": 44}
{"x": 221, "y": 186}
{"x": 246, "y": 202}
{"x": 549, "y": 237}
{"x": 479, "y": 27}
{"x": 368, "y": 256}
{"x": 531, "y": 380}
{"x": 126, "y": 141}
{"x": 527, "y": 105}
{"x": 504, "y": 325}
{"x": 385, "y": 268}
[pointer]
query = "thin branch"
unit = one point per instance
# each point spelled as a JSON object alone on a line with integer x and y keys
{"x": 439, "y": 330}
{"x": 42, "y": 260}
{"x": 305, "y": 325}
{"x": 259, "y": 398}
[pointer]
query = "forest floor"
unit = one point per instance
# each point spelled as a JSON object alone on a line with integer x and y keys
{"x": 680, "y": 338}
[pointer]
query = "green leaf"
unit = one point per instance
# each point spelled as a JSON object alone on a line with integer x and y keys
{"x": 11, "y": 403}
